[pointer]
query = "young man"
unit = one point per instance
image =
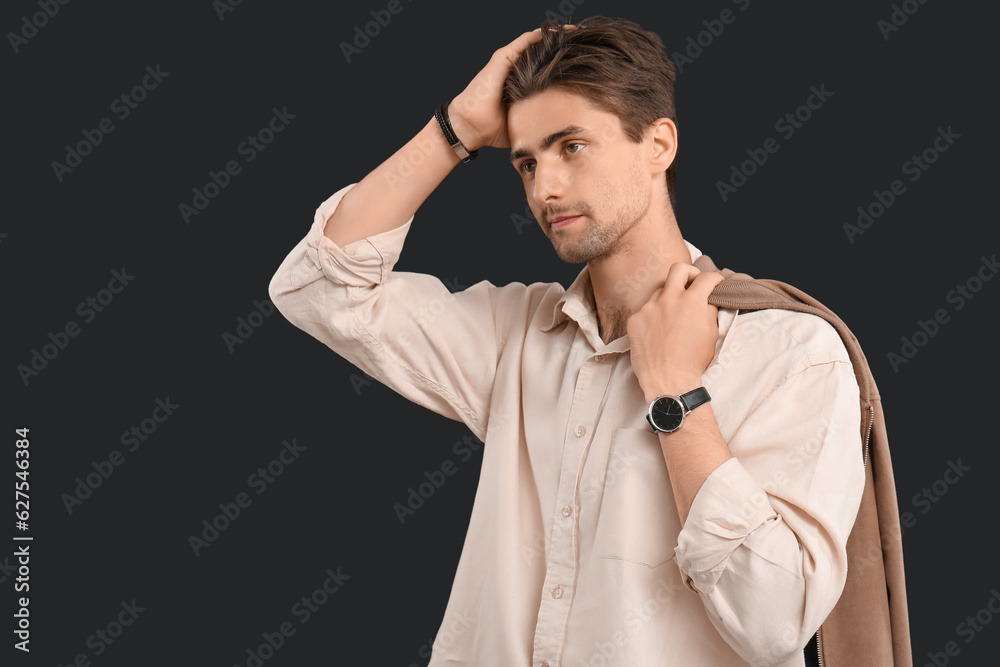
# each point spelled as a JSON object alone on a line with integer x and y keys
{"x": 611, "y": 526}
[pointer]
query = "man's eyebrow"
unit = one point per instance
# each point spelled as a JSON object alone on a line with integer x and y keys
{"x": 549, "y": 140}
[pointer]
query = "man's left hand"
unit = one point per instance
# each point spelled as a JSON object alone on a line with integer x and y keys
{"x": 673, "y": 334}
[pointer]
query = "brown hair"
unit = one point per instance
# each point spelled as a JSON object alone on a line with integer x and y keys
{"x": 615, "y": 64}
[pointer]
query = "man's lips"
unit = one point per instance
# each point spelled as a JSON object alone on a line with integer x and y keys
{"x": 561, "y": 221}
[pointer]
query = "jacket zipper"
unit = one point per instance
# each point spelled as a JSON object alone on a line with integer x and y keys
{"x": 871, "y": 422}
{"x": 819, "y": 647}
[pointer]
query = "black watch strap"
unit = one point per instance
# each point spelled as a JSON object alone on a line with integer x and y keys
{"x": 693, "y": 399}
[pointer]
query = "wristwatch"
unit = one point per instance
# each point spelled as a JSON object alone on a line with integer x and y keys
{"x": 666, "y": 413}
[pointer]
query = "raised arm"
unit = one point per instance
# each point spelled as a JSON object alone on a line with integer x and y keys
{"x": 390, "y": 195}
{"x": 408, "y": 330}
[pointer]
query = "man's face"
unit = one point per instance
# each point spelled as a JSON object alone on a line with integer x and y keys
{"x": 585, "y": 181}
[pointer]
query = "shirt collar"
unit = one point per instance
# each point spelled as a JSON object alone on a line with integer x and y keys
{"x": 577, "y": 302}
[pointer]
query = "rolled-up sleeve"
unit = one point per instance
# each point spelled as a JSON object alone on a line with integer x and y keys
{"x": 437, "y": 348}
{"x": 764, "y": 543}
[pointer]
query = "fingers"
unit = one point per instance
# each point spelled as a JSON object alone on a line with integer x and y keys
{"x": 704, "y": 283}
{"x": 685, "y": 277}
{"x": 515, "y": 48}
{"x": 530, "y": 37}
{"x": 679, "y": 276}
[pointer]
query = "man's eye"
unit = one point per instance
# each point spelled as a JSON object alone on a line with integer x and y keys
{"x": 527, "y": 167}
{"x": 569, "y": 147}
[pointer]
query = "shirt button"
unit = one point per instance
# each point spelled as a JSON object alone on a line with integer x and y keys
{"x": 557, "y": 592}
{"x": 581, "y": 431}
{"x": 567, "y": 510}
{"x": 598, "y": 357}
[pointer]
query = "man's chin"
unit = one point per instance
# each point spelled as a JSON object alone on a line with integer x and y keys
{"x": 570, "y": 256}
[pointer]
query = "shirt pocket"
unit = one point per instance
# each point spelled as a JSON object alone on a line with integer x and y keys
{"x": 638, "y": 519}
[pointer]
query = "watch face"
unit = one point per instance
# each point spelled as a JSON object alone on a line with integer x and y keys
{"x": 667, "y": 413}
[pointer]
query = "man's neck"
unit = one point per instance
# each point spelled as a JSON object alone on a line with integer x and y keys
{"x": 624, "y": 280}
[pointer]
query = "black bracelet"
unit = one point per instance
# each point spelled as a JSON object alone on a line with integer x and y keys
{"x": 441, "y": 113}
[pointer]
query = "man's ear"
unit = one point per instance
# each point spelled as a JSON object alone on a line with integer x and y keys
{"x": 663, "y": 134}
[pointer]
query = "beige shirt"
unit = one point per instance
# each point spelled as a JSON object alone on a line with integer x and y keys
{"x": 575, "y": 555}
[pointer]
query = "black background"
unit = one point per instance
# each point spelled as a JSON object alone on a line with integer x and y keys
{"x": 162, "y": 336}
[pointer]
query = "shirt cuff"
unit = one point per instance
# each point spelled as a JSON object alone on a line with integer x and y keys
{"x": 361, "y": 263}
{"x": 727, "y": 508}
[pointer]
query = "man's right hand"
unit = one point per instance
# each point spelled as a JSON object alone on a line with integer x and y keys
{"x": 476, "y": 114}
{"x": 392, "y": 193}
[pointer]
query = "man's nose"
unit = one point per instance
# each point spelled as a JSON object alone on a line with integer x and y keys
{"x": 550, "y": 183}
